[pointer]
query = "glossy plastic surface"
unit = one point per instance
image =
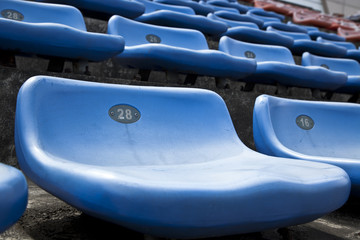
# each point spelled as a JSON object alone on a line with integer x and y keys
{"x": 258, "y": 36}
{"x": 179, "y": 50}
{"x": 349, "y": 66}
{"x": 53, "y": 30}
{"x": 285, "y": 27}
{"x": 347, "y": 45}
{"x": 275, "y": 64}
{"x": 265, "y": 15}
{"x": 179, "y": 16}
{"x": 219, "y": 8}
{"x": 179, "y": 171}
{"x": 332, "y": 139}
{"x": 303, "y": 43}
{"x": 328, "y": 36}
{"x": 239, "y": 7}
{"x": 232, "y": 23}
{"x": 197, "y": 7}
{"x": 312, "y": 18}
{"x": 13, "y": 196}
{"x": 104, "y": 9}
{"x": 239, "y": 17}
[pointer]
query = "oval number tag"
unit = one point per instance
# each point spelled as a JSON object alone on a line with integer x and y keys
{"x": 250, "y": 54}
{"x": 151, "y": 38}
{"x": 124, "y": 113}
{"x": 305, "y": 122}
{"x": 12, "y": 14}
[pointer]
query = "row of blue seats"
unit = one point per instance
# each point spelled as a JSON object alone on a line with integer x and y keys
{"x": 156, "y": 47}
{"x": 175, "y": 167}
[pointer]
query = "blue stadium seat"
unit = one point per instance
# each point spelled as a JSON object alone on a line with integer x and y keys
{"x": 328, "y": 36}
{"x": 179, "y": 16}
{"x": 163, "y": 161}
{"x": 13, "y": 196}
{"x": 285, "y": 27}
{"x": 309, "y": 28}
{"x": 314, "y": 34}
{"x": 220, "y": 8}
{"x": 347, "y": 45}
{"x": 265, "y": 15}
{"x": 104, "y": 9}
{"x": 232, "y": 23}
{"x": 239, "y": 7}
{"x": 275, "y": 64}
{"x": 52, "y": 30}
{"x": 253, "y": 35}
{"x": 239, "y": 17}
{"x": 199, "y": 9}
{"x": 174, "y": 49}
{"x": 349, "y": 66}
{"x": 303, "y": 43}
{"x": 316, "y": 131}
{"x": 353, "y": 54}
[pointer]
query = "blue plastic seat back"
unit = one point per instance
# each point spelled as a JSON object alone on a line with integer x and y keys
{"x": 239, "y": 7}
{"x": 349, "y": 66}
{"x": 293, "y": 35}
{"x": 285, "y": 27}
{"x": 347, "y": 45}
{"x": 220, "y": 8}
{"x": 13, "y": 196}
{"x": 151, "y": 6}
{"x": 266, "y": 16}
{"x": 259, "y": 52}
{"x": 117, "y": 125}
{"x": 33, "y": 12}
{"x": 324, "y": 129}
{"x": 232, "y": 23}
{"x": 197, "y": 7}
{"x": 137, "y": 33}
{"x": 309, "y": 28}
{"x": 239, "y": 17}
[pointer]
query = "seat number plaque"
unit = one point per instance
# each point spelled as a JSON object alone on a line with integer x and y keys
{"x": 305, "y": 122}
{"x": 12, "y": 14}
{"x": 124, "y": 113}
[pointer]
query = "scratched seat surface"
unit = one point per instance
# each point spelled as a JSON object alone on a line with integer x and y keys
{"x": 312, "y": 130}
{"x": 275, "y": 64}
{"x": 159, "y": 159}
{"x": 179, "y": 16}
{"x": 303, "y": 43}
{"x": 180, "y": 50}
{"x": 13, "y": 196}
{"x": 349, "y": 66}
{"x": 104, "y": 9}
{"x": 52, "y": 30}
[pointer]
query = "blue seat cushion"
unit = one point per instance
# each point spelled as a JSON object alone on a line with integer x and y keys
{"x": 104, "y": 9}
{"x": 299, "y": 76}
{"x": 259, "y": 36}
{"x": 318, "y": 48}
{"x": 328, "y": 36}
{"x": 14, "y": 195}
{"x": 201, "y": 62}
{"x": 50, "y": 39}
{"x": 199, "y": 9}
{"x": 181, "y": 20}
{"x": 232, "y": 23}
{"x": 239, "y": 17}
